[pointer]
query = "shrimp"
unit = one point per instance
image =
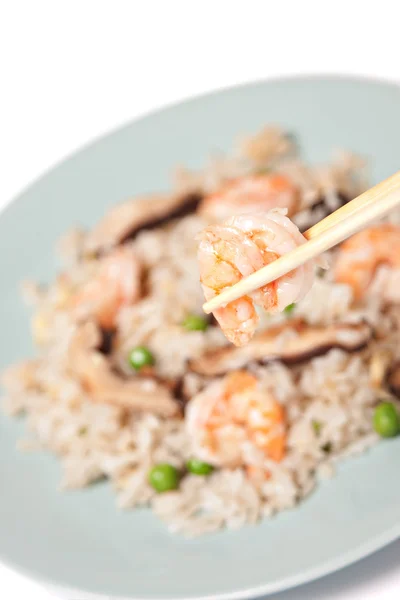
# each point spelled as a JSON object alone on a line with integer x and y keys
{"x": 254, "y": 193}
{"x": 231, "y": 412}
{"x": 362, "y": 254}
{"x": 237, "y": 248}
{"x": 116, "y": 283}
{"x": 225, "y": 255}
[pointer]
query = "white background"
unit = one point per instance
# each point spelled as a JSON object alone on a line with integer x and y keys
{"x": 71, "y": 70}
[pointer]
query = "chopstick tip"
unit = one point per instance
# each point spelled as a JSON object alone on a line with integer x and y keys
{"x": 206, "y": 308}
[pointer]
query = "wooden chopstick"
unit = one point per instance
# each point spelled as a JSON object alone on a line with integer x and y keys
{"x": 374, "y": 194}
{"x": 341, "y": 224}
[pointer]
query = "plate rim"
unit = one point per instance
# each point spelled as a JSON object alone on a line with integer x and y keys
{"x": 284, "y": 584}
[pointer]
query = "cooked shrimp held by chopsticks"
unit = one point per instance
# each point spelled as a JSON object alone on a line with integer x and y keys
{"x": 239, "y": 247}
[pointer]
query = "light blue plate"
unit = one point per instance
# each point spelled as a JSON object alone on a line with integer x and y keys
{"x": 79, "y": 540}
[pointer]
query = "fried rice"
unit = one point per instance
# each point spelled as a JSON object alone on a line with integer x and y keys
{"x": 328, "y": 395}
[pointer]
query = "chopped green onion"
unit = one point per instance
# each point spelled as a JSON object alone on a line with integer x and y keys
{"x": 263, "y": 171}
{"x": 290, "y": 308}
{"x": 292, "y": 138}
{"x": 317, "y": 425}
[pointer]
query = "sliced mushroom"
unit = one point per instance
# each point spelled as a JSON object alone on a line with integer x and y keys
{"x": 106, "y": 341}
{"x": 106, "y": 386}
{"x": 394, "y": 380}
{"x": 126, "y": 219}
{"x": 290, "y": 343}
{"x": 318, "y": 211}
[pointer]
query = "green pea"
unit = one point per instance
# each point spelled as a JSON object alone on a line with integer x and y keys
{"x": 195, "y": 323}
{"x": 164, "y": 478}
{"x": 198, "y": 467}
{"x": 140, "y": 357}
{"x": 290, "y": 308}
{"x": 386, "y": 420}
